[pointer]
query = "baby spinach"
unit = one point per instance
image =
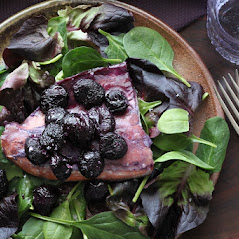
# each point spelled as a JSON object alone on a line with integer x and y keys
{"x": 54, "y": 230}
{"x": 168, "y": 142}
{"x": 216, "y": 131}
{"x": 116, "y": 48}
{"x": 148, "y": 44}
{"x": 185, "y": 156}
{"x": 101, "y": 226}
{"x": 32, "y": 229}
{"x": 83, "y": 58}
{"x": 173, "y": 121}
{"x": 58, "y": 24}
{"x": 24, "y": 190}
{"x": 144, "y": 107}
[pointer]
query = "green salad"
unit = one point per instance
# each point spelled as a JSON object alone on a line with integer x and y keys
{"x": 79, "y": 183}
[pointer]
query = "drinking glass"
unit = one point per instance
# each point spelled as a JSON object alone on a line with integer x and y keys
{"x": 223, "y": 27}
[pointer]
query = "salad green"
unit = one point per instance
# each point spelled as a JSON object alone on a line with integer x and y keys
{"x": 156, "y": 206}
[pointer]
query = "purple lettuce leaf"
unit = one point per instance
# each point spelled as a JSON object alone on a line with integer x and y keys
{"x": 19, "y": 96}
{"x": 8, "y": 216}
{"x": 152, "y": 85}
{"x": 178, "y": 201}
{"x": 108, "y": 17}
{"x": 32, "y": 41}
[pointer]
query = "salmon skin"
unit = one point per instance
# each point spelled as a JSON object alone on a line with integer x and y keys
{"x": 137, "y": 162}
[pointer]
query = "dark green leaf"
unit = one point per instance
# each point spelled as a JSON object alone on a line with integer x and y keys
{"x": 24, "y": 190}
{"x": 148, "y": 44}
{"x": 144, "y": 106}
{"x": 216, "y": 131}
{"x": 32, "y": 229}
{"x": 173, "y": 121}
{"x": 58, "y": 24}
{"x": 78, "y": 204}
{"x": 170, "y": 142}
{"x": 185, "y": 156}
{"x": 102, "y": 226}
{"x": 177, "y": 142}
{"x": 115, "y": 49}
{"x": 54, "y": 230}
{"x": 83, "y": 58}
{"x": 106, "y": 226}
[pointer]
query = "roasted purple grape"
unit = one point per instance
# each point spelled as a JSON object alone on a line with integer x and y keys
{"x": 55, "y": 115}
{"x": 116, "y": 101}
{"x": 54, "y": 96}
{"x": 88, "y": 93}
{"x": 44, "y": 199}
{"x": 34, "y": 151}
{"x": 91, "y": 164}
{"x": 52, "y": 137}
{"x": 103, "y": 120}
{"x": 3, "y": 184}
{"x": 95, "y": 190}
{"x": 113, "y": 146}
{"x": 60, "y": 167}
{"x": 79, "y": 128}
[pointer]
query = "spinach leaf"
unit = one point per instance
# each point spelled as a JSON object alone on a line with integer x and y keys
{"x": 173, "y": 121}
{"x": 102, "y": 226}
{"x": 106, "y": 226}
{"x": 83, "y": 58}
{"x": 78, "y": 210}
{"x": 115, "y": 49}
{"x": 32, "y": 229}
{"x": 153, "y": 47}
{"x": 78, "y": 204}
{"x": 9, "y": 220}
{"x": 24, "y": 190}
{"x": 53, "y": 230}
{"x": 215, "y": 130}
{"x": 58, "y": 24}
{"x": 178, "y": 200}
{"x": 178, "y": 142}
{"x": 185, "y": 156}
{"x": 144, "y": 107}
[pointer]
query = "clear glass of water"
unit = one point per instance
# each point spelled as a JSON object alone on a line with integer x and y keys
{"x": 223, "y": 27}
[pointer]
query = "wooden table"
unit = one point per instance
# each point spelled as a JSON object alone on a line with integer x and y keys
{"x": 223, "y": 218}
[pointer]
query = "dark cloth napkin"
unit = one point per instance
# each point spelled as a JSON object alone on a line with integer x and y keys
{"x": 175, "y": 13}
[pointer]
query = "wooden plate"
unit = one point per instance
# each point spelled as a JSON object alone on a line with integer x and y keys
{"x": 186, "y": 60}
